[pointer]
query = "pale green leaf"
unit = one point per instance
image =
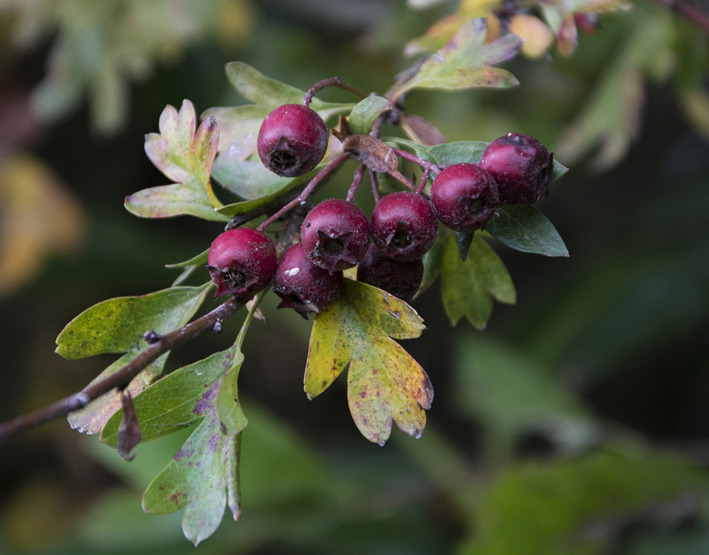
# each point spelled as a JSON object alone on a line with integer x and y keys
{"x": 366, "y": 112}
{"x": 180, "y": 199}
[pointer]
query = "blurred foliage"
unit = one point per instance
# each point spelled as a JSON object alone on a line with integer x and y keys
{"x": 576, "y": 423}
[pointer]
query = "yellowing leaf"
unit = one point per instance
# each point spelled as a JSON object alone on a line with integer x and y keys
{"x": 185, "y": 154}
{"x": 385, "y": 384}
{"x": 38, "y": 217}
{"x": 537, "y": 36}
{"x": 464, "y": 62}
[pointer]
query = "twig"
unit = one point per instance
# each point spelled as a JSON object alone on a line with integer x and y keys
{"x": 123, "y": 376}
{"x": 420, "y": 161}
{"x": 359, "y": 172}
{"x": 332, "y": 82}
{"x": 302, "y": 197}
{"x": 375, "y": 186}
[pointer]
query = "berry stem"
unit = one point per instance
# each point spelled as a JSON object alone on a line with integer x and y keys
{"x": 122, "y": 377}
{"x": 396, "y": 174}
{"x": 420, "y": 161}
{"x": 332, "y": 82}
{"x": 424, "y": 179}
{"x": 358, "y": 174}
{"x": 375, "y": 186}
{"x": 302, "y": 197}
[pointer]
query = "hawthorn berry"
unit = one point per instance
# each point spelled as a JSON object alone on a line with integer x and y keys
{"x": 464, "y": 197}
{"x": 292, "y": 140}
{"x": 401, "y": 278}
{"x": 302, "y": 285}
{"x": 335, "y": 235}
{"x": 521, "y": 166}
{"x": 241, "y": 262}
{"x": 403, "y": 225}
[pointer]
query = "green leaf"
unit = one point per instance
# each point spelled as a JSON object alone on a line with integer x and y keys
{"x": 538, "y": 509}
{"x": 463, "y": 241}
{"x": 181, "y": 199}
{"x": 201, "y": 478}
{"x": 469, "y": 287}
{"x": 171, "y": 315}
{"x": 265, "y": 91}
{"x": 458, "y": 152}
{"x": 185, "y": 154}
{"x": 238, "y": 128}
{"x": 117, "y": 325}
{"x": 384, "y": 382}
{"x": 366, "y": 112}
{"x": 512, "y": 395}
{"x": 189, "y": 266}
{"x": 182, "y": 398}
{"x": 204, "y": 472}
{"x": 433, "y": 260}
{"x": 465, "y": 62}
{"x": 247, "y": 178}
{"x": 526, "y": 229}
{"x": 232, "y": 210}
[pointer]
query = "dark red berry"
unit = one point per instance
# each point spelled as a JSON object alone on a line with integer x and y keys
{"x": 403, "y": 225}
{"x": 401, "y": 278}
{"x": 302, "y": 285}
{"x": 292, "y": 140}
{"x": 335, "y": 235}
{"x": 521, "y": 166}
{"x": 241, "y": 262}
{"x": 464, "y": 197}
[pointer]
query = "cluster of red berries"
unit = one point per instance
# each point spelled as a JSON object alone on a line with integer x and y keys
{"x": 335, "y": 235}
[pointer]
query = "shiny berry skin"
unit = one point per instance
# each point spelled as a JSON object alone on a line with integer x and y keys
{"x": 401, "y": 278}
{"x": 464, "y": 197}
{"x": 521, "y": 166}
{"x": 241, "y": 262}
{"x": 292, "y": 140}
{"x": 302, "y": 285}
{"x": 403, "y": 225}
{"x": 335, "y": 235}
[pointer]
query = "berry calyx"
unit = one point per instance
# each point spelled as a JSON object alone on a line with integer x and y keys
{"x": 464, "y": 197}
{"x": 241, "y": 262}
{"x": 302, "y": 285}
{"x": 335, "y": 235}
{"x": 403, "y": 225}
{"x": 521, "y": 166}
{"x": 401, "y": 278}
{"x": 292, "y": 140}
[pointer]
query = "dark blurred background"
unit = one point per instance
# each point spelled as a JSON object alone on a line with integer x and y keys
{"x": 577, "y": 422}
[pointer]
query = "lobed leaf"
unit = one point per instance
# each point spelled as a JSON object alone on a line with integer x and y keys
{"x": 526, "y": 229}
{"x": 185, "y": 154}
{"x": 201, "y": 477}
{"x": 189, "y": 266}
{"x": 464, "y": 62}
{"x": 385, "y": 384}
{"x": 117, "y": 325}
{"x": 469, "y": 286}
{"x": 166, "y": 201}
{"x": 238, "y": 128}
{"x": 203, "y": 474}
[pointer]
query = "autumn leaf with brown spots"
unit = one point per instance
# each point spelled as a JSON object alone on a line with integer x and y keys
{"x": 385, "y": 384}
